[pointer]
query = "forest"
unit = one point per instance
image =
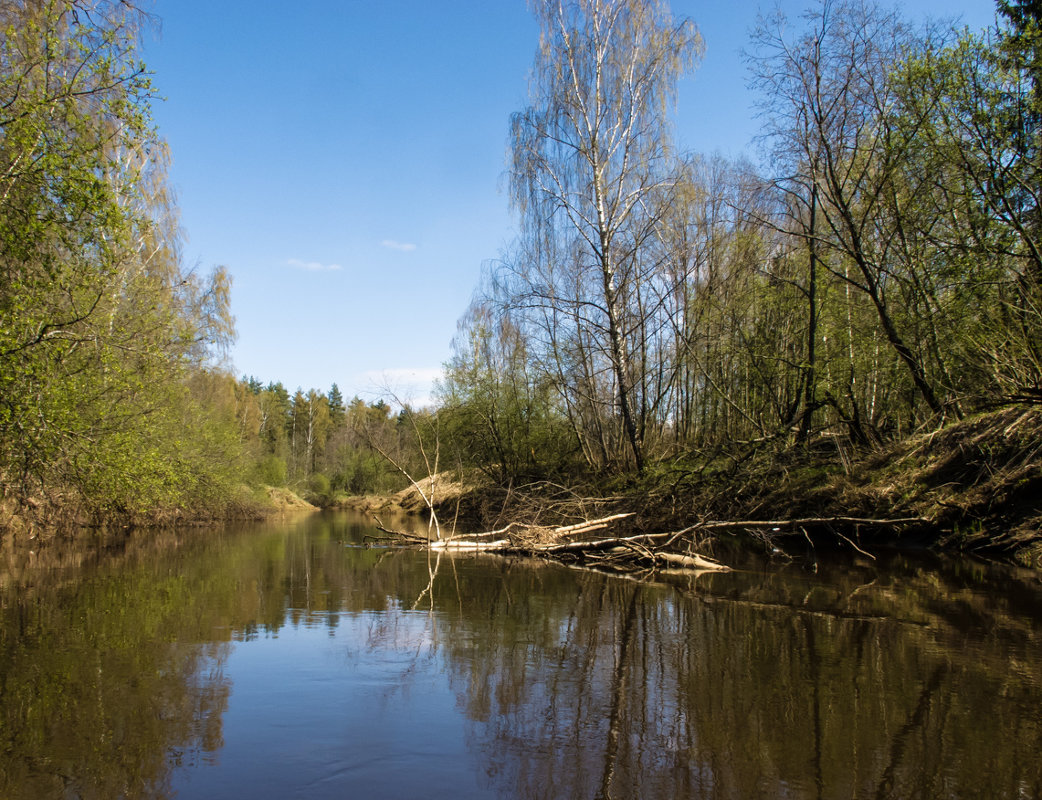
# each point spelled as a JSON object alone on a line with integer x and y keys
{"x": 661, "y": 318}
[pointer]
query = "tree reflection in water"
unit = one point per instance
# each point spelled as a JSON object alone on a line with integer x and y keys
{"x": 108, "y": 675}
{"x": 906, "y": 680}
{"x": 748, "y": 685}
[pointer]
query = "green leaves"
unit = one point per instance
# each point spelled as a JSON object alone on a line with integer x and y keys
{"x": 105, "y": 338}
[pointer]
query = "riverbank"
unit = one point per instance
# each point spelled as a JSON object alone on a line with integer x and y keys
{"x": 976, "y": 483}
{"x": 973, "y": 486}
{"x": 63, "y": 515}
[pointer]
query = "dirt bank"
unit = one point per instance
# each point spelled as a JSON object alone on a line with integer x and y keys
{"x": 445, "y": 489}
{"x": 973, "y": 486}
{"x": 284, "y": 500}
{"x": 60, "y": 516}
{"x": 978, "y": 482}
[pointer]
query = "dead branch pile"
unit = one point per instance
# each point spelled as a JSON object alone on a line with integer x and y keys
{"x": 574, "y": 544}
{"x": 587, "y": 543}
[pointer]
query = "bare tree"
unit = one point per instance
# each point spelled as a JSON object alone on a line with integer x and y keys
{"x": 829, "y": 97}
{"x": 591, "y": 153}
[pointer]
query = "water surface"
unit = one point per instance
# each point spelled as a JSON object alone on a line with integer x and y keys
{"x": 284, "y": 660}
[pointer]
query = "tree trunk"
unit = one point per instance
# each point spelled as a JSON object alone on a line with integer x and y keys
{"x": 620, "y": 362}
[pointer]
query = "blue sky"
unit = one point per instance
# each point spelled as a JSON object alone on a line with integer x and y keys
{"x": 346, "y": 161}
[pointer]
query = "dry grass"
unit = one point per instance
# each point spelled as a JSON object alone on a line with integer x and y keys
{"x": 283, "y": 500}
{"x": 978, "y": 480}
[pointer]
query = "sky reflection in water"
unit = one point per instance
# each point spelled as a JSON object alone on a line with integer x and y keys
{"x": 283, "y": 662}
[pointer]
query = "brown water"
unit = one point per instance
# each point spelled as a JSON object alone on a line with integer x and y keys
{"x": 284, "y": 661}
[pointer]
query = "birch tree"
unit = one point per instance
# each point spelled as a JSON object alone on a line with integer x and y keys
{"x": 590, "y": 155}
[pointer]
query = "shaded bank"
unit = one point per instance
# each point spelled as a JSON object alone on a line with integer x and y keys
{"x": 63, "y": 517}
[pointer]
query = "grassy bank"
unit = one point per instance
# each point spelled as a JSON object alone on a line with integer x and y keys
{"x": 63, "y": 515}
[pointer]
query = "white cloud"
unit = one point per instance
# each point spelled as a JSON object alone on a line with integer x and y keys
{"x": 413, "y": 386}
{"x": 405, "y": 247}
{"x": 312, "y": 266}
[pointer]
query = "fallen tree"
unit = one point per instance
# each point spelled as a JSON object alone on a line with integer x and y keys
{"x": 635, "y": 552}
{"x": 643, "y": 552}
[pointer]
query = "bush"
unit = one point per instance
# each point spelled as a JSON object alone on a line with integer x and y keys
{"x": 271, "y": 471}
{"x": 319, "y": 485}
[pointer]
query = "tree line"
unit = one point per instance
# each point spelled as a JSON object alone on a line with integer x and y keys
{"x": 110, "y": 348}
{"x": 313, "y": 441}
{"x": 876, "y": 273}
{"x": 116, "y": 397}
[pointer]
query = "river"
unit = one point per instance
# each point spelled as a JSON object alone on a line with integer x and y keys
{"x": 284, "y": 660}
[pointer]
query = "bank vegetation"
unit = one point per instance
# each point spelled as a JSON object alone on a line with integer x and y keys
{"x": 848, "y": 327}
{"x": 113, "y": 403}
{"x": 705, "y": 331}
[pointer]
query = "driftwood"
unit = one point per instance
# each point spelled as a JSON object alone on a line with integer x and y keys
{"x": 782, "y": 524}
{"x": 634, "y": 553}
{"x": 645, "y": 553}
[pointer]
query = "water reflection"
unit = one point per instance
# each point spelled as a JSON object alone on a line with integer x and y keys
{"x": 751, "y": 685}
{"x": 106, "y": 676}
{"x": 910, "y": 679}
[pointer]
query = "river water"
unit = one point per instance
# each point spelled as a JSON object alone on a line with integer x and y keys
{"x": 285, "y": 661}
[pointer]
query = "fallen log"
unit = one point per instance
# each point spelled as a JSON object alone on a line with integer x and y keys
{"x": 590, "y": 525}
{"x": 645, "y": 548}
{"x": 796, "y": 523}
{"x": 460, "y": 543}
{"x": 599, "y": 544}
{"x": 647, "y": 551}
{"x": 644, "y": 553}
{"x": 394, "y": 535}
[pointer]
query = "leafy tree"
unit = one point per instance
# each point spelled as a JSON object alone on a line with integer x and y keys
{"x": 830, "y": 93}
{"x": 337, "y": 412}
{"x": 106, "y": 341}
{"x": 349, "y": 457}
{"x": 972, "y": 107}
{"x": 499, "y": 413}
{"x": 274, "y": 405}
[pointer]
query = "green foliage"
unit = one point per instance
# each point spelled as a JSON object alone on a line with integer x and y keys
{"x": 360, "y": 451}
{"x": 319, "y": 484}
{"x": 359, "y": 471}
{"x": 312, "y": 437}
{"x": 271, "y": 471}
{"x": 884, "y": 275}
{"x": 497, "y": 414}
{"x": 888, "y": 276}
{"x": 973, "y": 112}
{"x": 106, "y": 393}
{"x": 319, "y": 488}
{"x": 335, "y": 401}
